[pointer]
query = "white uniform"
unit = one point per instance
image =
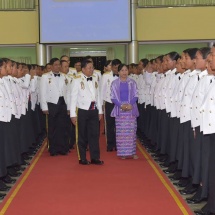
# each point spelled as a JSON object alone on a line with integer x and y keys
{"x": 33, "y": 92}
{"x": 207, "y": 111}
{"x": 107, "y": 79}
{"x": 180, "y": 92}
{"x": 187, "y": 96}
{"x": 24, "y": 83}
{"x": 173, "y": 96}
{"x": 5, "y": 109}
{"x": 198, "y": 96}
{"x": 82, "y": 95}
{"x": 51, "y": 88}
{"x": 8, "y": 85}
{"x": 141, "y": 89}
{"x": 169, "y": 89}
{"x": 67, "y": 88}
{"x": 72, "y": 71}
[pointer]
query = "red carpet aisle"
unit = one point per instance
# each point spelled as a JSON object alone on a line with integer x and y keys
{"x": 59, "y": 185}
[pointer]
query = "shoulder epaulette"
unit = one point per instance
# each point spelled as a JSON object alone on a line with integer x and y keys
{"x": 78, "y": 76}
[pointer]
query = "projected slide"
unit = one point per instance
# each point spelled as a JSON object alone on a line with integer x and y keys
{"x": 83, "y": 21}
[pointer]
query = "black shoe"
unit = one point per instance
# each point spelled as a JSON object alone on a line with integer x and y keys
{"x": 176, "y": 176}
{"x": 168, "y": 171}
{"x": 196, "y": 201}
{"x": 200, "y": 212}
{"x": 53, "y": 154}
{"x": 8, "y": 180}
{"x": 3, "y": 186}
{"x": 97, "y": 162}
{"x": 109, "y": 150}
{"x": 63, "y": 153}
{"x": 84, "y": 162}
{"x": 164, "y": 165}
{"x": 182, "y": 183}
{"x": 2, "y": 196}
{"x": 188, "y": 191}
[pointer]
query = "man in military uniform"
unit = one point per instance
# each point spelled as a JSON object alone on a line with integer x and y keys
{"x": 107, "y": 79}
{"x": 53, "y": 103}
{"x": 85, "y": 96}
{"x": 72, "y": 71}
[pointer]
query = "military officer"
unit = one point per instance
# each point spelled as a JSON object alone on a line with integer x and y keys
{"x": 85, "y": 97}
{"x": 72, "y": 71}
{"x": 107, "y": 79}
{"x": 53, "y": 103}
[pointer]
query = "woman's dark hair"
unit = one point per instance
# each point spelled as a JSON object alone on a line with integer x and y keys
{"x": 145, "y": 61}
{"x": 160, "y": 58}
{"x": 174, "y": 55}
{"x": 205, "y": 51}
{"x": 186, "y": 50}
{"x": 107, "y": 63}
{"x": 192, "y": 53}
{"x": 122, "y": 65}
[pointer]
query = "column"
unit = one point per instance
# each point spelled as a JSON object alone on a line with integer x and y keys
{"x": 133, "y": 45}
{"x": 48, "y": 53}
{"x": 41, "y": 54}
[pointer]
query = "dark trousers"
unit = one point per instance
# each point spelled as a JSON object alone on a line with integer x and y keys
{"x": 3, "y": 166}
{"x": 88, "y": 133}
{"x": 211, "y": 199}
{"x": 140, "y": 120}
{"x": 205, "y": 160}
{"x": 175, "y": 123}
{"x": 195, "y": 151}
{"x": 164, "y": 131}
{"x": 58, "y": 127}
{"x": 188, "y": 138}
{"x": 110, "y": 126}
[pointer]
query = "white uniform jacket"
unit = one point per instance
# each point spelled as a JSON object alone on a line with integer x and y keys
{"x": 198, "y": 96}
{"x": 106, "y": 81}
{"x": 187, "y": 96}
{"x": 33, "y": 92}
{"x": 49, "y": 90}
{"x": 81, "y": 96}
{"x": 5, "y": 110}
{"x": 207, "y": 111}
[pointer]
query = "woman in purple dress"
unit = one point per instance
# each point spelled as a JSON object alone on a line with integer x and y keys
{"x": 124, "y": 96}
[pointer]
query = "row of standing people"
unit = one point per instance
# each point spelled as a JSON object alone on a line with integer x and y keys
{"x": 22, "y": 124}
{"x": 177, "y": 121}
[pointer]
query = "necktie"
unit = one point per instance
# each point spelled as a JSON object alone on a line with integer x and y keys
{"x": 56, "y": 75}
{"x": 198, "y": 78}
{"x": 115, "y": 75}
{"x": 89, "y": 79}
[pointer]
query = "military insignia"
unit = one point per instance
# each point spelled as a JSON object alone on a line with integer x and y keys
{"x": 70, "y": 81}
{"x": 50, "y": 80}
{"x": 66, "y": 81}
{"x": 96, "y": 85}
{"x": 82, "y": 85}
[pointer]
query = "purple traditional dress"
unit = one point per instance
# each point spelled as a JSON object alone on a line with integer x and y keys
{"x": 125, "y": 92}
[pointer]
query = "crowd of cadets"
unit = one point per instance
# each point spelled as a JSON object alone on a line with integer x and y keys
{"x": 176, "y": 124}
{"x": 177, "y": 120}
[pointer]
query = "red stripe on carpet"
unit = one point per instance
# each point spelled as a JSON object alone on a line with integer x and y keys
{"x": 59, "y": 185}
